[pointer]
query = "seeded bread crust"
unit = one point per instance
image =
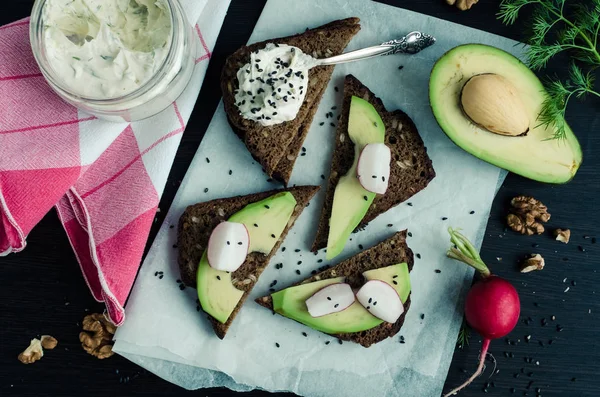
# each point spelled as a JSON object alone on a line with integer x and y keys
{"x": 411, "y": 169}
{"x": 269, "y": 145}
{"x": 197, "y": 223}
{"x": 392, "y": 251}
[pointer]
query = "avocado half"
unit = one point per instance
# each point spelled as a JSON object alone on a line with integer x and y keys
{"x": 534, "y": 155}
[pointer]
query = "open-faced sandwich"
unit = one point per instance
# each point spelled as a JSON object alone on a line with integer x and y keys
{"x": 271, "y": 91}
{"x": 225, "y": 244}
{"x": 363, "y": 299}
{"x": 379, "y": 161}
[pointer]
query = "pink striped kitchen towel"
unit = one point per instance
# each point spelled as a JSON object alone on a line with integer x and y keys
{"x": 105, "y": 179}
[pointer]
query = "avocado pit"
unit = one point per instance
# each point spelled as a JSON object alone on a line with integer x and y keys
{"x": 492, "y": 102}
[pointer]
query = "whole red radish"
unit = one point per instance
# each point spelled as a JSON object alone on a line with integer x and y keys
{"x": 492, "y": 306}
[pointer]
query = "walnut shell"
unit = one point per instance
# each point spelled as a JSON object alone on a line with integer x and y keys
{"x": 493, "y": 102}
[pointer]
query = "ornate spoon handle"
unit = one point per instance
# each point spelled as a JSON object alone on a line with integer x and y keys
{"x": 409, "y": 44}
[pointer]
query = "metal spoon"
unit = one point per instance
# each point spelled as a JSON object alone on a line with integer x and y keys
{"x": 409, "y": 44}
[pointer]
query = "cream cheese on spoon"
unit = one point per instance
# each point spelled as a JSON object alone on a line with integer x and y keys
{"x": 273, "y": 85}
{"x": 106, "y": 48}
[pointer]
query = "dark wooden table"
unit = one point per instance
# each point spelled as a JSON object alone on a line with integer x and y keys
{"x": 42, "y": 291}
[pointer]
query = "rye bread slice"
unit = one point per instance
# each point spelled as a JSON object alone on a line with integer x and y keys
{"x": 389, "y": 252}
{"x": 411, "y": 169}
{"x": 269, "y": 145}
{"x": 197, "y": 223}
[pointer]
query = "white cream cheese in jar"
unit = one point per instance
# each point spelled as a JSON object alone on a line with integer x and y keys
{"x": 273, "y": 85}
{"x": 106, "y": 48}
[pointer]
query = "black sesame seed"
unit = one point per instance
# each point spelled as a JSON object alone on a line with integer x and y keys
{"x": 228, "y": 243}
{"x": 327, "y": 342}
{"x": 218, "y": 277}
{"x": 444, "y": 218}
{"x": 409, "y": 204}
{"x": 422, "y": 316}
{"x": 276, "y": 344}
{"x": 336, "y": 305}
{"x": 438, "y": 271}
{"x": 272, "y": 235}
{"x": 304, "y": 334}
{"x": 333, "y": 107}
{"x": 282, "y": 249}
{"x": 336, "y": 89}
{"x": 256, "y": 225}
{"x": 322, "y": 123}
{"x": 299, "y": 262}
{"x": 296, "y": 250}
{"x": 320, "y": 261}
{"x": 332, "y": 124}
{"x": 340, "y": 341}
{"x": 366, "y": 198}
{"x": 472, "y": 212}
{"x": 298, "y": 272}
{"x": 181, "y": 287}
{"x": 160, "y": 277}
{"x": 205, "y": 190}
{"x": 409, "y": 234}
{"x": 395, "y": 282}
{"x": 360, "y": 246}
{"x": 418, "y": 256}
{"x": 400, "y": 67}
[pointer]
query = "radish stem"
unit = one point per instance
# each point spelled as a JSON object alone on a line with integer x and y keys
{"x": 465, "y": 252}
{"x": 484, "y": 348}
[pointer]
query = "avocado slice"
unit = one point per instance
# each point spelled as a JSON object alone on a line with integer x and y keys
{"x": 396, "y": 275}
{"x": 291, "y": 302}
{"x": 351, "y": 201}
{"x": 534, "y": 155}
{"x": 265, "y": 221}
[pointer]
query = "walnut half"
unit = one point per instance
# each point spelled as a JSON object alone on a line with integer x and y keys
{"x": 462, "y": 4}
{"x": 96, "y": 338}
{"x": 527, "y": 215}
{"x": 535, "y": 262}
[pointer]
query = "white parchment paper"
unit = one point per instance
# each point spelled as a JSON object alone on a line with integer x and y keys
{"x": 166, "y": 334}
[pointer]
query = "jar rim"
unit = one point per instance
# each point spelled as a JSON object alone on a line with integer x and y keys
{"x": 36, "y": 41}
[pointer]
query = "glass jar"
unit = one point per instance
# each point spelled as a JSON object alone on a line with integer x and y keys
{"x": 160, "y": 91}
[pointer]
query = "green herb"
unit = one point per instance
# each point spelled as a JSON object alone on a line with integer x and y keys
{"x": 463, "y": 335}
{"x": 77, "y": 58}
{"x": 554, "y": 30}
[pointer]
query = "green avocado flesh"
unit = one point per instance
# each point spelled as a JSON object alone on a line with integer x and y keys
{"x": 291, "y": 302}
{"x": 397, "y": 276}
{"x": 216, "y": 293}
{"x": 534, "y": 155}
{"x": 351, "y": 201}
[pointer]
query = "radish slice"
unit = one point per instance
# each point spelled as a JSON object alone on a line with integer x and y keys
{"x": 228, "y": 246}
{"x": 331, "y": 299}
{"x": 381, "y": 300}
{"x": 373, "y": 168}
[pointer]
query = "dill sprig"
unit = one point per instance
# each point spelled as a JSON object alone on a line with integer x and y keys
{"x": 463, "y": 335}
{"x": 552, "y": 32}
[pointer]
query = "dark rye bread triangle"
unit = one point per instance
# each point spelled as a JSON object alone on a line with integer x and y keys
{"x": 197, "y": 223}
{"x": 269, "y": 145}
{"x": 389, "y": 252}
{"x": 411, "y": 169}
